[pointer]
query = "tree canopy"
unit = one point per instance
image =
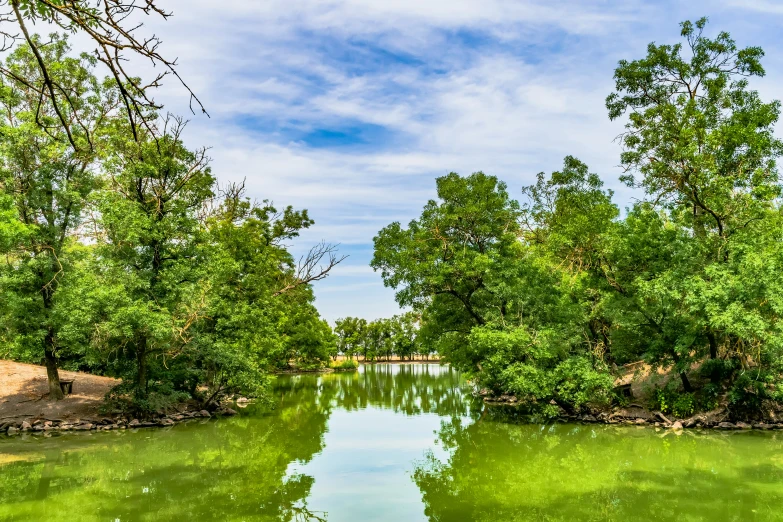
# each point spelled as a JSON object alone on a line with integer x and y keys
{"x": 544, "y": 299}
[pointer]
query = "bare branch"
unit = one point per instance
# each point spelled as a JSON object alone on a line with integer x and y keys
{"x": 105, "y": 22}
{"x": 314, "y": 266}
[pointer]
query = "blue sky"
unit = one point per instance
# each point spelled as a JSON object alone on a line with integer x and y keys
{"x": 352, "y": 108}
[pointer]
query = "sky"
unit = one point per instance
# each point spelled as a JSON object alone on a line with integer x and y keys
{"x": 352, "y": 108}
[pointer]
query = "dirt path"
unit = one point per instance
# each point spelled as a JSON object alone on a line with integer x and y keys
{"x": 24, "y": 394}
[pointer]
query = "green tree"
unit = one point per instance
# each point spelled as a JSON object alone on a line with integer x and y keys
{"x": 49, "y": 184}
{"x": 149, "y": 242}
{"x": 700, "y": 143}
{"x": 492, "y": 305}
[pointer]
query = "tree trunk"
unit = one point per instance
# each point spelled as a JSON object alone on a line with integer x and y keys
{"x": 698, "y": 224}
{"x": 55, "y": 391}
{"x": 686, "y": 384}
{"x": 713, "y": 344}
{"x": 141, "y": 362}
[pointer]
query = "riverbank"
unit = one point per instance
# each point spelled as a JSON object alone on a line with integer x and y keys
{"x": 639, "y": 415}
{"x": 24, "y": 404}
{"x": 24, "y": 394}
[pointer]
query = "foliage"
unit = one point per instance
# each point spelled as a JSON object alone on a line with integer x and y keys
{"x": 382, "y": 338}
{"x": 45, "y": 191}
{"x": 490, "y": 302}
{"x": 542, "y": 299}
{"x": 344, "y": 365}
{"x": 124, "y": 257}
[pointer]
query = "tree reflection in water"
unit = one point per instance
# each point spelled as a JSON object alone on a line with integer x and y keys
{"x": 497, "y": 470}
{"x": 235, "y": 468}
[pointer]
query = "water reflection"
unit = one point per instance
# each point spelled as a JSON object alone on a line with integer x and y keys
{"x": 212, "y": 471}
{"x": 503, "y": 471}
{"x": 244, "y": 468}
{"x": 392, "y": 442}
{"x": 410, "y": 389}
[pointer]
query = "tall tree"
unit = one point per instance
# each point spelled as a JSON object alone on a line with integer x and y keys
{"x": 701, "y": 144}
{"x": 149, "y": 234}
{"x": 48, "y": 182}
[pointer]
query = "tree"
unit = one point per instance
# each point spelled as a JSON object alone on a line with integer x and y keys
{"x": 350, "y": 331}
{"x": 491, "y": 304}
{"x": 149, "y": 235}
{"x": 701, "y": 144}
{"x": 49, "y": 184}
{"x": 403, "y": 335}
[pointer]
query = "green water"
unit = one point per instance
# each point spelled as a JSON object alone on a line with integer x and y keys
{"x": 389, "y": 443}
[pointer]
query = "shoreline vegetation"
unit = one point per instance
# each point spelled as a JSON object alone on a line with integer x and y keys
{"x": 545, "y": 301}
{"x": 77, "y": 418}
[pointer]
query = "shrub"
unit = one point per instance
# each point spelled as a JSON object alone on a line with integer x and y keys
{"x": 684, "y": 405}
{"x": 344, "y": 365}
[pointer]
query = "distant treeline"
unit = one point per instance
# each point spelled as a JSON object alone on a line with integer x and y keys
{"x": 381, "y": 339}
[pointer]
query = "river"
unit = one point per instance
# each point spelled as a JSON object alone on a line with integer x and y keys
{"x": 390, "y": 442}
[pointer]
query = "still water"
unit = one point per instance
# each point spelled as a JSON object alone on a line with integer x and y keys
{"x": 390, "y": 442}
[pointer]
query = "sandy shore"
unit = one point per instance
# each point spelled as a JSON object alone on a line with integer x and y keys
{"x": 24, "y": 394}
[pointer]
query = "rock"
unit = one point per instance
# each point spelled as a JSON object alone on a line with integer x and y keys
{"x": 677, "y": 425}
{"x": 763, "y": 426}
{"x": 586, "y": 418}
{"x": 87, "y": 426}
{"x": 633, "y": 412}
{"x": 26, "y": 426}
{"x": 133, "y": 423}
{"x": 229, "y": 411}
{"x": 204, "y": 413}
{"x": 641, "y": 421}
{"x": 243, "y": 400}
{"x": 12, "y": 430}
{"x": 726, "y": 426}
{"x": 177, "y": 417}
{"x": 166, "y": 422}
{"x": 743, "y": 426}
{"x": 147, "y": 424}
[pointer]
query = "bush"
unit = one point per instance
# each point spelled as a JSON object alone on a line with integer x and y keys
{"x": 684, "y": 405}
{"x": 665, "y": 397}
{"x": 160, "y": 399}
{"x": 344, "y": 365}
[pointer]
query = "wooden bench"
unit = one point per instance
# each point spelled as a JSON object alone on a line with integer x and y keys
{"x": 624, "y": 390}
{"x": 66, "y": 386}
